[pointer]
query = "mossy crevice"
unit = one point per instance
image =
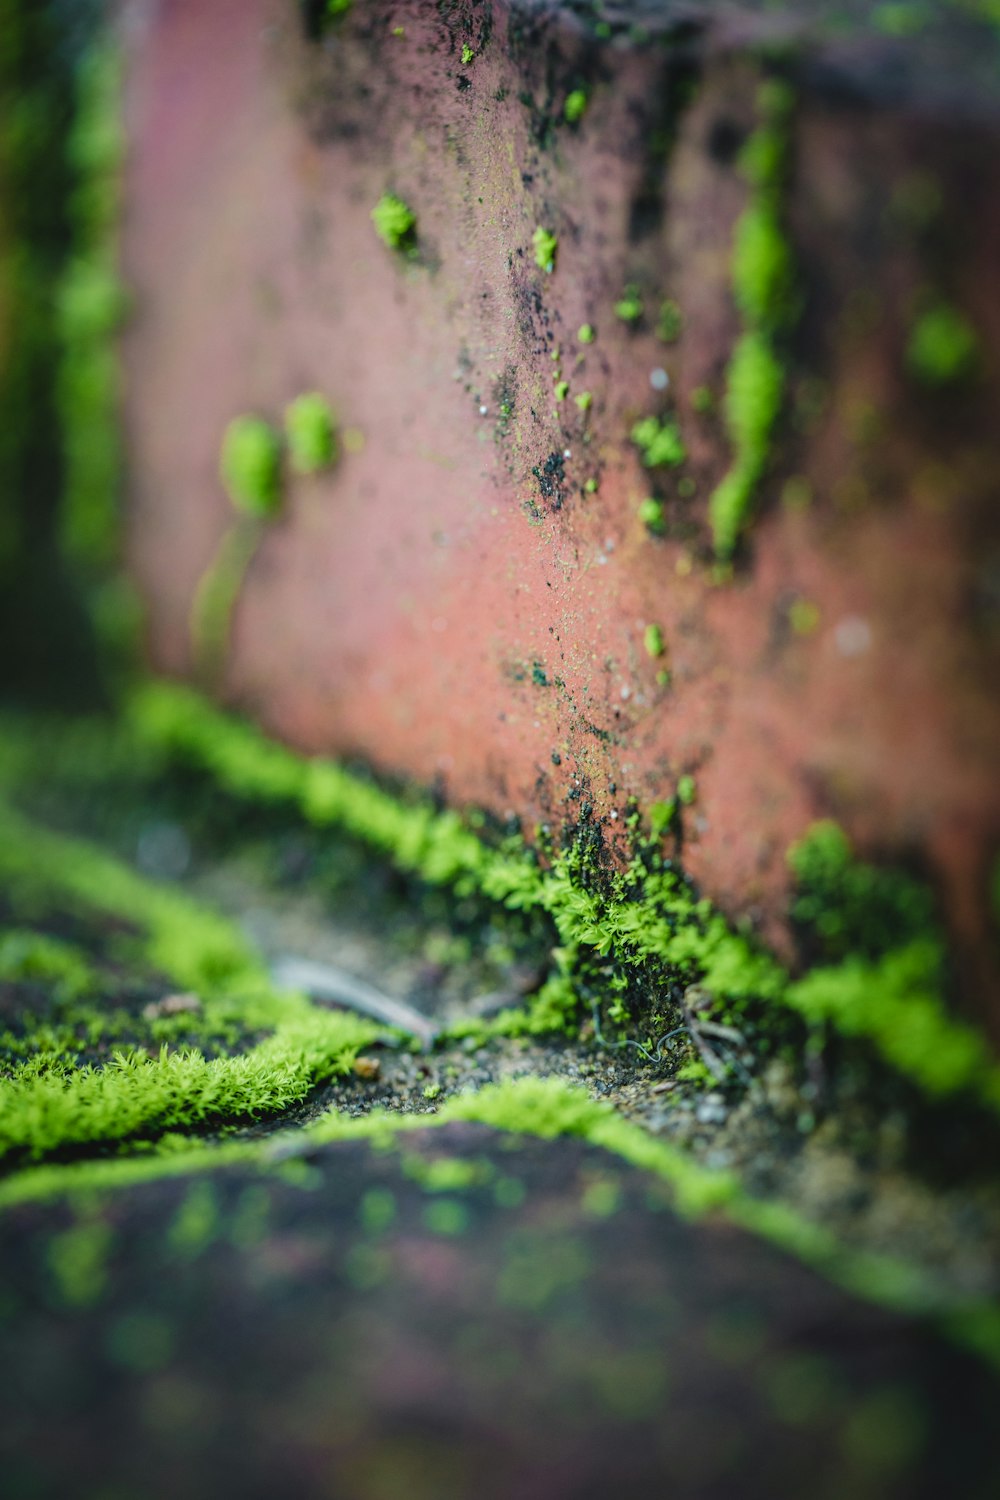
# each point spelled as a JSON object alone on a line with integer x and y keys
{"x": 51, "y": 1103}
{"x": 647, "y": 917}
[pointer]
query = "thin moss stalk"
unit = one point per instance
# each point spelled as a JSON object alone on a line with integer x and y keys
{"x": 765, "y": 294}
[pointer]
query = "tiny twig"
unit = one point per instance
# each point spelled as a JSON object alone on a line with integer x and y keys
{"x": 325, "y": 982}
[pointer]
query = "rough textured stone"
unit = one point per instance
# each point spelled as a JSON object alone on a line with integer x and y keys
{"x": 546, "y": 1326}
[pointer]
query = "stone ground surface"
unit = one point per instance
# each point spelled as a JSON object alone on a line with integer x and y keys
{"x": 547, "y": 1328}
{"x": 462, "y": 1311}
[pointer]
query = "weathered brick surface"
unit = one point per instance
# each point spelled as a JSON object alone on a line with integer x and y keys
{"x": 424, "y": 604}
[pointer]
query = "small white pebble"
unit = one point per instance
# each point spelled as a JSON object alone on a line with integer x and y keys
{"x": 659, "y": 379}
{"x": 482, "y": 411}
{"x": 614, "y": 816}
{"x": 567, "y": 453}
{"x": 852, "y": 636}
{"x": 626, "y": 694}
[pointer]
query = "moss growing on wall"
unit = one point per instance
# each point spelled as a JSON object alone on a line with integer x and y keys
{"x": 576, "y": 106}
{"x": 659, "y": 441}
{"x": 311, "y": 433}
{"x": 395, "y": 222}
{"x": 943, "y": 347}
{"x": 754, "y": 390}
{"x": 764, "y": 291}
{"x": 545, "y": 244}
{"x": 250, "y": 465}
{"x": 651, "y": 514}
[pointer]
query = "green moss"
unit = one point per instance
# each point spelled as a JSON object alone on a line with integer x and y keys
{"x": 545, "y": 245}
{"x": 585, "y": 333}
{"x": 48, "y": 1109}
{"x": 250, "y": 466}
{"x": 584, "y": 400}
{"x": 686, "y": 790}
{"x": 216, "y": 597}
{"x": 803, "y": 616}
{"x": 765, "y": 292}
{"x": 843, "y": 906}
{"x": 652, "y": 639}
{"x": 882, "y": 966}
{"x": 651, "y": 515}
{"x": 78, "y": 1262}
{"x": 467, "y": 55}
{"x": 629, "y": 305}
{"x": 659, "y": 441}
{"x": 864, "y": 928}
{"x": 90, "y": 307}
{"x": 395, "y": 222}
{"x": 669, "y": 323}
{"x": 896, "y": 1002}
{"x": 311, "y": 433}
{"x": 943, "y": 347}
{"x": 755, "y": 386}
{"x": 198, "y": 1222}
{"x": 26, "y": 955}
{"x": 762, "y": 268}
{"x": 900, "y": 18}
{"x": 576, "y": 106}
{"x": 648, "y": 916}
{"x": 561, "y": 390}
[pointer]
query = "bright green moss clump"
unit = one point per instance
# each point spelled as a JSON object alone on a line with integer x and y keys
{"x": 250, "y": 466}
{"x": 309, "y": 428}
{"x": 660, "y": 442}
{"x": 629, "y": 305}
{"x": 651, "y": 515}
{"x": 576, "y": 106}
{"x": 943, "y": 347}
{"x": 545, "y": 245}
{"x": 395, "y": 222}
